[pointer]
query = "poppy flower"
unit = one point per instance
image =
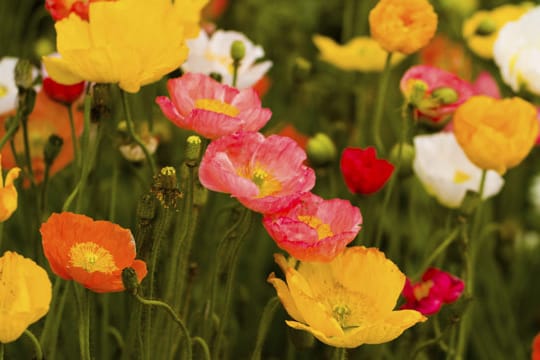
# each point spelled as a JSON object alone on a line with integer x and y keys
{"x": 265, "y": 174}
{"x": 214, "y": 9}
{"x": 48, "y": 117}
{"x": 125, "y": 42}
{"x": 363, "y": 172}
{"x": 65, "y": 94}
{"x": 212, "y": 54}
{"x": 435, "y": 289}
{"x": 402, "y": 26}
{"x": 445, "y": 54}
{"x": 92, "y": 253}
{"x": 496, "y": 134}
{"x": 314, "y": 229}
{"x": 202, "y": 104}
{"x": 25, "y": 295}
{"x": 60, "y": 9}
{"x": 8, "y": 87}
{"x": 536, "y": 348}
{"x": 347, "y": 302}
{"x": 434, "y": 93}
{"x": 290, "y": 131}
{"x": 8, "y": 192}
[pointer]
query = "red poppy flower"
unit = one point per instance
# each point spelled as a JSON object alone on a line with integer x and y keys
{"x": 60, "y": 9}
{"x": 66, "y": 94}
{"x": 435, "y": 289}
{"x": 92, "y": 253}
{"x": 363, "y": 172}
{"x": 536, "y": 348}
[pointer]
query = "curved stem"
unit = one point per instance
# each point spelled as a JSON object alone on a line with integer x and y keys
{"x": 439, "y": 249}
{"x": 35, "y": 342}
{"x": 131, "y": 130}
{"x": 379, "y": 107}
{"x": 9, "y": 133}
{"x": 204, "y": 346}
{"x": 264, "y": 326}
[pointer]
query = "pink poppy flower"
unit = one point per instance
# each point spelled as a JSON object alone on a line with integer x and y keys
{"x": 436, "y": 288}
{"x": 485, "y": 84}
{"x": 201, "y": 104}
{"x": 265, "y": 174}
{"x": 315, "y": 229}
{"x": 434, "y": 93}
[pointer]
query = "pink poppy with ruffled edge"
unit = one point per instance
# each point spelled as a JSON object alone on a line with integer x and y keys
{"x": 436, "y": 288}
{"x": 211, "y": 109}
{"x": 265, "y": 174}
{"x": 430, "y": 107}
{"x": 315, "y": 229}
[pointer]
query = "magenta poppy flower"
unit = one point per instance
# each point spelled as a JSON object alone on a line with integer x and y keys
{"x": 434, "y": 93}
{"x": 315, "y": 229}
{"x": 363, "y": 172}
{"x": 485, "y": 84}
{"x": 265, "y": 174}
{"x": 436, "y": 288}
{"x": 201, "y": 104}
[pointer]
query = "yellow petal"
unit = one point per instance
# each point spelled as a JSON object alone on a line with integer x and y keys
{"x": 285, "y": 297}
{"x": 72, "y": 33}
{"x": 8, "y": 202}
{"x": 390, "y": 327}
{"x": 11, "y": 175}
{"x": 60, "y": 71}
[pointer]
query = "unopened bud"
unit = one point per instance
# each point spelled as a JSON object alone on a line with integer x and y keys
{"x": 486, "y": 27}
{"x": 407, "y": 157}
{"x": 130, "y": 280}
{"x": 193, "y": 150}
{"x": 321, "y": 150}
{"x": 101, "y": 99}
{"x": 164, "y": 187}
{"x": 445, "y": 95}
{"x": 238, "y": 50}
{"x": 216, "y": 76}
{"x": 52, "y": 149}
{"x": 23, "y": 74}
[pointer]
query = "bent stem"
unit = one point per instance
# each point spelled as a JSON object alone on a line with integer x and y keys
{"x": 10, "y": 132}
{"x": 35, "y": 343}
{"x": 442, "y": 246}
{"x": 381, "y": 94}
{"x": 264, "y": 326}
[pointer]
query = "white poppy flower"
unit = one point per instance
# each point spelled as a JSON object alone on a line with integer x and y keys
{"x": 212, "y": 54}
{"x": 517, "y": 52}
{"x": 133, "y": 152}
{"x": 445, "y": 171}
{"x": 8, "y": 89}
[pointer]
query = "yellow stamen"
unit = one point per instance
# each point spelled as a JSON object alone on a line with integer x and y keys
{"x": 92, "y": 257}
{"x": 266, "y": 183}
{"x": 323, "y": 229}
{"x": 422, "y": 290}
{"x": 217, "y": 106}
{"x": 460, "y": 177}
{"x": 3, "y": 91}
{"x": 341, "y": 312}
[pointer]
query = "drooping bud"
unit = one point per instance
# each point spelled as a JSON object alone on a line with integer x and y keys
{"x": 238, "y": 50}
{"x": 486, "y": 27}
{"x": 445, "y": 95}
{"x": 52, "y": 149}
{"x": 321, "y": 150}
{"x": 193, "y": 150}
{"x": 24, "y": 78}
{"x": 130, "y": 281}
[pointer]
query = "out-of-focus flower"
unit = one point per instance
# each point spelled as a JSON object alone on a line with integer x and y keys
{"x": 8, "y": 192}
{"x": 434, "y": 93}
{"x": 8, "y": 88}
{"x": 92, "y": 253}
{"x": 485, "y": 84}
{"x": 212, "y": 54}
{"x": 363, "y": 172}
{"x": 321, "y": 150}
{"x": 403, "y": 26}
{"x": 262, "y": 86}
{"x": 214, "y": 9}
{"x": 125, "y": 42}
{"x": 348, "y": 301}
{"x": 361, "y": 53}
{"x": 445, "y": 54}
{"x": 482, "y": 29}
{"x": 66, "y": 94}
{"x": 496, "y": 134}
{"x": 48, "y": 117}
{"x": 133, "y": 152}
{"x": 517, "y": 52}
{"x": 536, "y": 348}
{"x": 201, "y": 104}
{"x": 25, "y": 295}
{"x": 435, "y": 289}
{"x": 445, "y": 171}
{"x": 60, "y": 9}
{"x": 265, "y": 174}
{"x": 290, "y": 131}
{"x": 459, "y": 7}
{"x": 315, "y": 229}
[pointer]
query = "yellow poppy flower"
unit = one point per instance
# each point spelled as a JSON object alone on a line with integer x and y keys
{"x": 402, "y": 26}
{"x": 481, "y": 30}
{"x": 130, "y": 42}
{"x": 25, "y": 295}
{"x": 361, "y": 53}
{"x": 348, "y": 301}
{"x": 8, "y": 192}
{"x": 496, "y": 134}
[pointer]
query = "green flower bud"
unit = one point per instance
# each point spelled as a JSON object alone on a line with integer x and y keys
{"x": 238, "y": 50}
{"x": 52, "y": 149}
{"x": 216, "y": 76}
{"x": 23, "y": 74}
{"x": 417, "y": 92}
{"x": 445, "y": 95}
{"x": 486, "y": 27}
{"x": 164, "y": 187}
{"x": 44, "y": 46}
{"x": 193, "y": 150}
{"x": 321, "y": 150}
{"x": 407, "y": 157}
{"x": 130, "y": 280}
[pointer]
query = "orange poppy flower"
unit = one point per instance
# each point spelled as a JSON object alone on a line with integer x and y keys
{"x": 48, "y": 117}
{"x": 92, "y": 253}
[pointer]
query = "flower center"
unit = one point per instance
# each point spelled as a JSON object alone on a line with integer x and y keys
{"x": 266, "y": 183}
{"x": 422, "y": 290}
{"x": 460, "y": 177}
{"x": 3, "y": 90}
{"x": 92, "y": 257}
{"x": 323, "y": 229}
{"x": 217, "y": 106}
{"x": 341, "y": 312}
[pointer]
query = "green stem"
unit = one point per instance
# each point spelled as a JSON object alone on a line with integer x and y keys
{"x": 44, "y": 188}
{"x": 204, "y": 346}
{"x": 114, "y": 188}
{"x": 339, "y": 354}
{"x": 131, "y": 130}
{"x": 1, "y": 235}
{"x": 1, "y": 351}
{"x": 439, "y": 249}
{"x": 264, "y": 326}
{"x": 175, "y": 317}
{"x": 9, "y": 133}
{"x": 379, "y": 107}
{"x": 35, "y": 342}
{"x": 73, "y": 135}
{"x": 27, "y": 155}
{"x": 236, "y": 65}
{"x": 482, "y": 183}
{"x": 53, "y": 320}
{"x": 84, "y": 320}
{"x": 348, "y": 21}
